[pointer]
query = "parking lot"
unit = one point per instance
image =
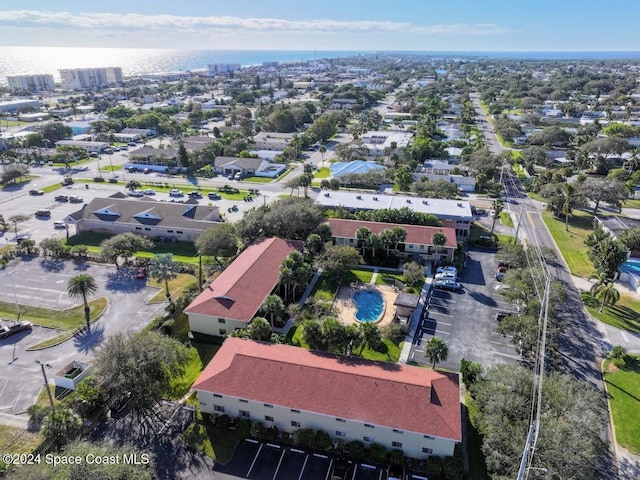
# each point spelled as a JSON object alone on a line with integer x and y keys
{"x": 466, "y": 320}
{"x": 268, "y": 461}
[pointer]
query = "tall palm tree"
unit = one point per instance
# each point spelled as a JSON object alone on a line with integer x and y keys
{"x": 273, "y": 306}
{"x": 438, "y": 239}
{"x": 571, "y": 198}
{"x": 322, "y": 151}
{"x": 374, "y": 242}
{"x": 600, "y": 279}
{"x": 607, "y": 294}
{"x": 436, "y": 350}
{"x": 362, "y": 234}
{"x": 164, "y": 267}
{"x": 498, "y": 206}
{"x": 81, "y": 286}
{"x": 399, "y": 236}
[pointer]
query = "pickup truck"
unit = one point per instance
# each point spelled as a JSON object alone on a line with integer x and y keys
{"x": 6, "y": 332}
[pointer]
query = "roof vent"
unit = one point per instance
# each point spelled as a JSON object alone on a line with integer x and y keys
{"x": 424, "y": 202}
{"x": 359, "y": 197}
{"x": 459, "y": 204}
{"x": 327, "y": 194}
{"x": 408, "y": 200}
{"x": 375, "y": 199}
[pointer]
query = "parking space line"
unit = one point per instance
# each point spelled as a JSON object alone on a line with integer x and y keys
{"x": 329, "y": 470}
{"x": 279, "y": 463}
{"x": 503, "y": 344}
{"x": 304, "y": 465}
{"x": 254, "y": 459}
{"x": 439, "y": 323}
{"x": 515, "y": 357}
{"x": 443, "y": 314}
{"x": 437, "y": 331}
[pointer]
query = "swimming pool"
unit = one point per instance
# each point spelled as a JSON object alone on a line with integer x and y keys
{"x": 369, "y": 305}
{"x": 632, "y": 265}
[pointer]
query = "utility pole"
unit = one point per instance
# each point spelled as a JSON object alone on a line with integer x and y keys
{"x": 46, "y": 384}
{"x": 15, "y": 294}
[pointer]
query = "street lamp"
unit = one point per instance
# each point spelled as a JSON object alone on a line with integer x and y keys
{"x": 15, "y": 294}
{"x": 46, "y": 384}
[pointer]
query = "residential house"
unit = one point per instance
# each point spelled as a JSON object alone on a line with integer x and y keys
{"x": 157, "y": 159}
{"x": 451, "y": 212}
{"x": 418, "y": 243}
{"x": 340, "y": 169}
{"x": 272, "y": 141}
{"x": 171, "y": 221}
{"x": 97, "y": 147}
{"x": 408, "y": 408}
{"x": 248, "y": 167}
{"x": 235, "y": 296}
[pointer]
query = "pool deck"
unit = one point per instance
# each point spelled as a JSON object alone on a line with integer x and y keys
{"x": 347, "y": 308}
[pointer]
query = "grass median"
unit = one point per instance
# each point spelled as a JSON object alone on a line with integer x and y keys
{"x": 623, "y": 387}
{"x": 68, "y": 319}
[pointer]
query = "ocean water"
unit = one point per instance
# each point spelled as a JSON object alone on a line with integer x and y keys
{"x": 136, "y": 61}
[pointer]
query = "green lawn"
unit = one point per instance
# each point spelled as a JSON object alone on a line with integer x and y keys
{"x": 322, "y": 173}
{"x": 69, "y": 319}
{"x": 327, "y": 286}
{"x": 625, "y": 314}
{"x": 182, "y": 251}
{"x": 211, "y": 440}
{"x": 17, "y": 440}
{"x": 505, "y": 219}
{"x": 23, "y": 181}
{"x": 632, "y": 204}
{"x": 176, "y": 286}
{"x": 623, "y": 386}
{"x": 571, "y": 243}
{"x": 537, "y": 197}
{"x": 258, "y": 179}
{"x": 52, "y": 188}
{"x": 112, "y": 168}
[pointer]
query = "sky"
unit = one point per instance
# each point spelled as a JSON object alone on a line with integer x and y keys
{"x": 401, "y": 25}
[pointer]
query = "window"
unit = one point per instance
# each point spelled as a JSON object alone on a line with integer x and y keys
{"x": 293, "y": 410}
{"x": 268, "y": 418}
{"x": 222, "y": 320}
{"x": 428, "y": 437}
{"x": 427, "y": 450}
{"x": 217, "y": 395}
{"x": 397, "y": 431}
{"x": 138, "y": 228}
{"x": 178, "y": 231}
{"x": 369, "y": 425}
{"x": 169, "y": 231}
{"x": 242, "y": 400}
{"x": 342, "y": 420}
{"x": 223, "y": 331}
{"x": 295, "y": 424}
{"x": 244, "y": 413}
{"x": 218, "y": 408}
{"x": 204, "y": 404}
{"x": 340, "y": 433}
{"x": 147, "y": 229}
{"x": 268, "y": 406}
{"x": 396, "y": 444}
{"x": 367, "y": 438}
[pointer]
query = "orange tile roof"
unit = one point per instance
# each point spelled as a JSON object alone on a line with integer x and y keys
{"x": 393, "y": 395}
{"x": 238, "y": 292}
{"x": 416, "y": 234}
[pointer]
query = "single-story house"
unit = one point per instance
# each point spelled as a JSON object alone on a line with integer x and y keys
{"x": 464, "y": 184}
{"x": 272, "y": 140}
{"x": 229, "y": 165}
{"x": 133, "y": 134}
{"x": 458, "y": 211}
{"x": 339, "y": 169}
{"x": 78, "y": 127}
{"x": 174, "y": 221}
{"x": 157, "y": 159}
{"x": 90, "y": 147}
{"x": 235, "y": 296}
{"x": 408, "y": 408}
{"x": 417, "y": 244}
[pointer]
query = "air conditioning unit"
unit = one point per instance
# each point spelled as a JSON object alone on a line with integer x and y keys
{"x": 424, "y": 202}
{"x": 375, "y": 199}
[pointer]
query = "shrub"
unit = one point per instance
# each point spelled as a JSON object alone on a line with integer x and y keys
{"x": 433, "y": 466}
{"x": 322, "y": 441}
{"x": 618, "y": 352}
{"x": 37, "y": 413}
{"x": 356, "y": 449}
{"x": 223, "y": 422}
{"x": 243, "y": 428}
{"x": 394, "y": 332}
{"x": 453, "y": 467}
{"x": 378, "y": 453}
{"x": 397, "y": 457}
{"x": 272, "y": 433}
{"x": 98, "y": 179}
{"x": 305, "y": 437}
{"x": 257, "y": 430}
{"x": 471, "y": 372}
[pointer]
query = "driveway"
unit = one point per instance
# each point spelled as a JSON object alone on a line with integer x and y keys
{"x": 466, "y": 319}
{"x": 43, "y": 283}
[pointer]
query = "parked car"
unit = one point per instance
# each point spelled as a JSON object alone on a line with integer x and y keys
{"x": 146, "y": 171}
{"x": 6, "y": 332}
{"x": 149, "y": 191}
{"x": 446, "y": 275}
{"x": 136, "y": 193}
{"x": 36, "y": 192}
{"x": 447, "y": 284}
{"x": 61, "y": 198}
{"x": 449, "y": 269}
{"x": 94, "y": 155}
{"x": 75, "y": 199}
{"x": 214, "y": 196}
{"x": 195, "y": 194}
{"x": 59, "y": 224}
{"x": 132, "y": 144}
{"x": 480, "y": 211}
{"x": 175, "y": 193}
{"x": 501, "y": 287}
{"x": 499, "y": 276}
{"x": 43, "y": 213}
{"x": 502, "y": 315}
{"x": 502, "y": 268}
{"x": 141, "y": 273}
{"x": 492, "y": 213}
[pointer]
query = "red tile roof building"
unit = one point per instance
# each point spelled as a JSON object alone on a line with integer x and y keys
{"x": 413, "y": 409}
{"x": 235, "y": 296}
{"x": 418, "y": 241}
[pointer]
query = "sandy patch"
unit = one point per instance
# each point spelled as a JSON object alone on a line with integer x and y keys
{"x": 347, "y": 307}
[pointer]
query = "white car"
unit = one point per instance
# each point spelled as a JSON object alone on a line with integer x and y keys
{"x": 447, "y": 269}
{"x": 175, "y": 193}
{"x": 149, "y": 191}
{"x": 136, "y": 193}
{"x": 501, "y": 287}
{"x": 59, "y": 224}
{"x": 492, "y": 213}
{"x": 446, "y": 276}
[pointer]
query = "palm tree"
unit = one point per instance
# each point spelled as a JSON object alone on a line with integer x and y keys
{"x": 81, "y": 286}
{"x": 374, "y": 242}
{"x": 322, "y": 151}
{"x": 436, "y": 350}
{"x": 132, "y": 185}
{"x": 438, "y": 239}
{"x": 600, "y": 277}
{"x": 399, "y": 236}
{"x": 606, "y": 293}
{"x": 498, "y": 206}
{"x": 571, "y": 198}
{"x": 273, "y": 306}
{"x": 164, "y": 267}
{"x": 362, "y": 234}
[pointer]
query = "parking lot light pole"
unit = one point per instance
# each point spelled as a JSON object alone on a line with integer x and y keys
{"x": 46, "y": 384}
{"x": 15, "y": 293}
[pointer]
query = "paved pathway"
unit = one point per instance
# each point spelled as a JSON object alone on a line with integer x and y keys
{"x": 374, "y": 276}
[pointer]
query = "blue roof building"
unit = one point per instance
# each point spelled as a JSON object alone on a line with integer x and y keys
{"x": 357, "y": 166}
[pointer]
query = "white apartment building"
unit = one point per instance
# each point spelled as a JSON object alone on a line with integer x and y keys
{"x": 31, "y": 83}
{"x": 217, "y": 68}
{"x": 413, "y": 409}
{"x": 378, "y": 142}
{"x": 90, "y": 78}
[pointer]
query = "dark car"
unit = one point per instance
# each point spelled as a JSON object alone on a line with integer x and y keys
{"x": 213, "y": 196}
{"x": 61, "y": 198}
{"x": 36, "y": 192}
{"x": 76, "y": 199}
{"x": 195, "y": 195}
{"x": 480, "y": 211}
{"x": 502, "y": 315}
{"x": 6, "y": 332}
